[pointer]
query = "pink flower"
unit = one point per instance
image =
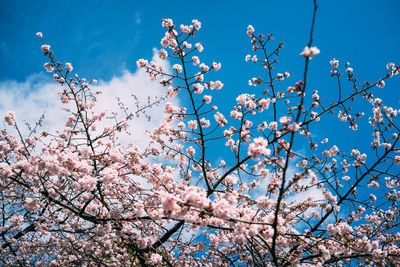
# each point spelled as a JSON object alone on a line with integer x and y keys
{"x": 191, "y": 151}
{"x": 285, "y": 120}
{"x": 396, "y": 160}
{"x": 241, "y": 99}
{"x": 223, "y": 209}
{"x": 216, "y": 66}
{"x": 172, "y": 92}
{"x": 199, "y": 47}
{"x": 181, "y": 125}
{"x": 349, "y": 69}
{"x": 250, "y": 105}
{"x": 310, "y": 52}
{"x": 186, "y": 29}
{"x": 263, "y": 173}
{"x": 273, "y": 125}
{"x": 205, "y": 123}
{"x": 10, "y": 118}
{"x": 88, "y": 182}
{"x": 279, "y": 76}
{"x": 192, "y": 124}
{"x": 231, "y": 179}
{"x": 17, "y": 220}
{"x": 250, "y": 30}
{"x": 264, "y": 202}
{"x": 218, "y": 85}
{"x": 187, "y": 45}
{"x": 334, "y": 63}
{"x": 220, "y": 119}
{"x": 48, "y": 67}
{"x": 163, "y": 54}
{"x": 196, "y": 60}
{"x": 196, "y": 24}
{"x": 54, "y": 263}
{"x": 196, "y": 196}
{"x": 166, "y": 23}
{"x": 31, "y": 205}
{"x": 169, "y": 203}
{"x": 207, "y": 98}
{"x": 237, "y": 115}
{"x": 169, "y": 108}
{"x": 165, "y": 41}
{"x": 264, "y": 103}
{"x": 204, "y": 67}
{"x": 258, "y": 148}
{"x": 39, "y": 34}
{"x": 110, "y": 175}
{"x": 346, "y": 178}
{"x": 198, "y": 88}
{"x": 390, "y": 65}
{"x": 69, "y": 67}
{"x": 294, "y": 127}
{"x": 177, "y": 67}
{"x": 315, "y": 214}
{"x": 45, "y": 49}
{"x": 199, "y": 76}
{"x": 155, "y": 259}
{"x": 141, "y": 63}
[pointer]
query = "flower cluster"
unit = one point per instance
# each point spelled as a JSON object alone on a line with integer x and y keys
{"x": 257, "y": 189}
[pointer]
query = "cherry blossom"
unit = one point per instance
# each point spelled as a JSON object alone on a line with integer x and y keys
{"x": 310, "y": 52}
{"x": 260, "y": 187}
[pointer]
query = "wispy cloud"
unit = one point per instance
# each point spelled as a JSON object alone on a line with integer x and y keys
{"x": 138, "y": 17}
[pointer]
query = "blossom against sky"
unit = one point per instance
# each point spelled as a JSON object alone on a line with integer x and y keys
{"x": 107, "y": 41}
{"x": 104, "y": 39}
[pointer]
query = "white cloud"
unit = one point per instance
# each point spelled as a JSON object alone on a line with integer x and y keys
{"x": 39, "y": 94}
{"x": 30, "y": 99}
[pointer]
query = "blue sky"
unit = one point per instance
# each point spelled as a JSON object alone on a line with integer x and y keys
{"x": 103, "y": 38}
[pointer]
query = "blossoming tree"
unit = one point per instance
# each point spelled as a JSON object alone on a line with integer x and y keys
{"x": 79, "y": 197}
